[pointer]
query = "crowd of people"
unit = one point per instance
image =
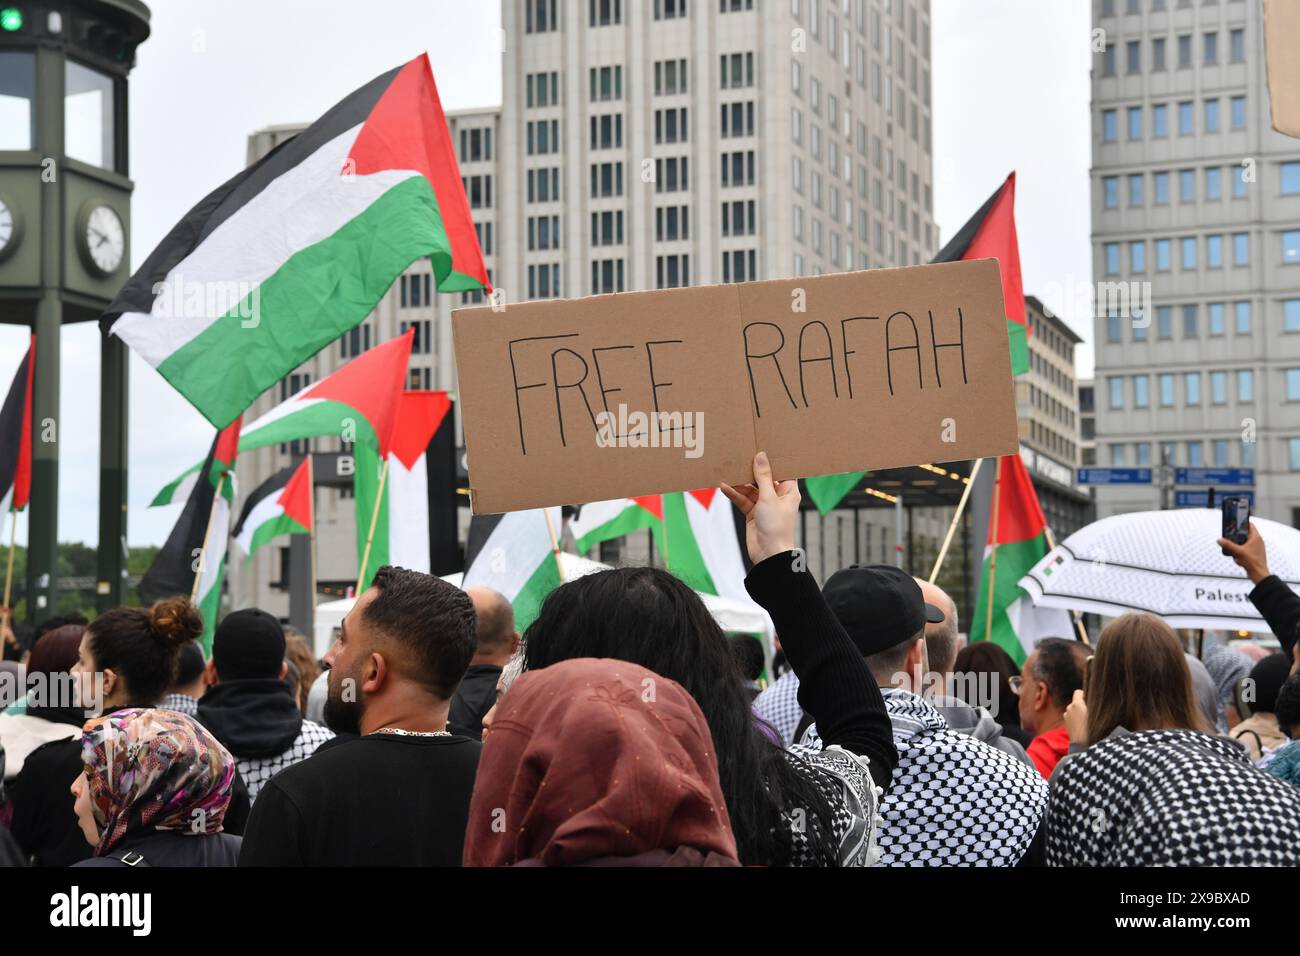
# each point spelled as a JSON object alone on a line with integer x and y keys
{"x": 625, "y": 728}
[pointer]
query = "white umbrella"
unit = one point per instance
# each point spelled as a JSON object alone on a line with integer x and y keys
{"x": 1163, "y": 562}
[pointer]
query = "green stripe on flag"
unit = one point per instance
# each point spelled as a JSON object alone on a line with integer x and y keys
{"x": 827, "y": 491}
{"x": 683, "y": 553}
{"x": 632, "y": 518}
{"x": 210, "y": 607}
{"x": 321, "y": 292}
{"x": 1014, "y": 562}
{"x": 273, "y": 529}
{"x": 168, "y": 495}
{"x": 528, "y": 602}
{"x": 1018, "y": 338}
{"x": 314, "y": 418}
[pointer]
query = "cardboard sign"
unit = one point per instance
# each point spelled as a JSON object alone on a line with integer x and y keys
{"x": 569, "y": 401}
{"x": 1282, "y": 54}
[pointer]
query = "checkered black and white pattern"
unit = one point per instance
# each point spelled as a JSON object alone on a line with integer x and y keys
{"x": 257, "y": 771}
{"x": 954, "y": 800}
{"x": 1170, "y": 798}
{"x": 844, "y": 780}
{"x": 180, "y": 703}
{"x": 779, "y": 706}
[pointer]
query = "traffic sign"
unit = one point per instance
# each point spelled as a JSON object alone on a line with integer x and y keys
{"x": 1214, "y": 476}
{"x": 1114, "y": 476}
{"x": 1201, "y": 499}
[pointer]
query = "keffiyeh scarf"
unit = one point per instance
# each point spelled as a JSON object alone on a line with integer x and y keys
{"x": 1170, "y": 798}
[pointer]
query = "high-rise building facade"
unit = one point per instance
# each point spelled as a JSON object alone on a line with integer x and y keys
{"x": 1196, "y": 251}
{"x": 645, "y": 145}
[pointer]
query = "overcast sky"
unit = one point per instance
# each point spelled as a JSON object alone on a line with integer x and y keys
{"x": 1010, "y": 90}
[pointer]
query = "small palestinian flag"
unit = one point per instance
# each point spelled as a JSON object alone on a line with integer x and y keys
{"x": 991, "y": 234}
{"x": 16, "y": 437}
{"x": 514, "y": 554}
{"x": 1020, "y": 543}
{"x": 223, "y": 461}
{"x": 297, "y": 249}
{"x": 605, "y": 520}
{"x": 280, "y": 505}
{"x": 193, "y": 559}
{"x": 359, "y": 400}
{"x": 417, "y": 521}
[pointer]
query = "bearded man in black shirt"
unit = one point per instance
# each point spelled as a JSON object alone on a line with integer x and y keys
{"x": 398, "y": 794}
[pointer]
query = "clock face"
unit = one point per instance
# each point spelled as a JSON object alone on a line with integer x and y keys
{"x": 8, "y": 228}
{"x": 105, "y": 239}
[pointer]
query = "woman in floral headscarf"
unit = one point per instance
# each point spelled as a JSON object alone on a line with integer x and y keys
{"x": 154, "y": 792}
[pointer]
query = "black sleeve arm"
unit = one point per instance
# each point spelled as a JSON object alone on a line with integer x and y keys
{"x": 274, "y": 827}
{"x": 835, "y": 686}
{"x": 1280, "y": 607}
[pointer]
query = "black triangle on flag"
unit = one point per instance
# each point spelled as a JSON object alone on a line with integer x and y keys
{"x": 173, "y": 569}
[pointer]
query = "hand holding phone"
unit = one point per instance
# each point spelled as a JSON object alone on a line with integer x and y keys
{"x": 1236, "y": 521}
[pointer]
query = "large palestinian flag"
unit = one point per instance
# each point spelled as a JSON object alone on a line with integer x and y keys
{"x": 283, "y": 504}
{"x": 514, "y": 554}
{"x": 16, "y": 437}
{"x": 297, "y": 249}
{"x": 416, "y": 524}
{"x": 1018, "y": 537}
{"x": 193, "y": 559}
{"x": 989, "y": 234}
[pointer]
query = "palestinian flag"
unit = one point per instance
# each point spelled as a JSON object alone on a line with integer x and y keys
{"x": 416, "y": 524}
{"x": 604, "y": 520}
{"x": 514, "y": 553}
{"x": 193, "y": 559}
{"x": 223, "y": 461}
{"x": 991, "y": 234}
{"x": 1018, "y": 536}
{"x": 357, "y": 402}
{"x": 700, "y": 543}
{"x": 283, "y": 504}
{"x": 16, "y": 437}
{"x": 294, "y": 251}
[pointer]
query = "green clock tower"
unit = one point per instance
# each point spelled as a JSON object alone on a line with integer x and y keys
{"x": 65, "y": 229}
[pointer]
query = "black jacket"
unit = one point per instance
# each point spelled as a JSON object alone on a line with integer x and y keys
{"x": 44, "y": 823}
{"x": 474, "y": 698}
{"x": 167, "y": 848}
{"x": 1280, "y": 607}
{"x": 252, "y": 718}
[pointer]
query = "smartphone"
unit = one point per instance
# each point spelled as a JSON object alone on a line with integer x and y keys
{"x": 1236, "y": 519}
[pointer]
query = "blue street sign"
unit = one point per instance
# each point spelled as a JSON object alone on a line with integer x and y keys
{"x": 1114, "y": 476}
{"x": 1214, "y": 476}
{"x": 1201, "y": 499}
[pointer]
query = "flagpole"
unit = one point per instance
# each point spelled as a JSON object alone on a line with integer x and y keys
{"x": 555, "y": 542}
{"x": 1075, "y": 616}
{"x": 993, "y": 555}
{"x": 9, "y": 571}
{"x": 203, "y": 554}
{"x": 311, "y": 494}
{"x": 952, "y": 528}
{"x": 374, "y": 517}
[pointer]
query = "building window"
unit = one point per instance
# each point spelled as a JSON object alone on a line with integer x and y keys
{"x": 1291, "y": 246}
{"x": 1289, "y": 178}
{"x": 1293, "y": 453}
{"x": 1141, "y": 391}
{"x": 671, "y": 175}
{"x": 604, "y": 13}
{"x": 1237, "y": 109}
{"x": 1218, "y": 388}
{"x": 1220, "y": 452}
{"x": 544, "y": 281}
{"x": 1137, "y": 256}
{"x": 1162, "y": 255}
{"x": 1188, "y": 244}
{"x": 1194, "y": 458}
{"x": 543, "y": 137}
{"x": 1213, "y": 183}
{"x": 1164, "y": 322}
{"x": 735, "y": 6}
{"x": 543, "y": 184}
{"x": 1135, "y": 190}
{"x": 1116, "y": 386}
{"x": 672, "y": 223}
{"x": 1109, "y": 126}
{"x": 540, "y": 16}
{"x": 1192, "y": 387}
{"x": 738, "y": 170}
{"x": 672, "y": 272}
{"x": 1185, "y": 51}
{"x": 1189, "y": 321}
{"x": 1117, "y": 457}
{"x": 1212, "y": 116}
{"x": 1187, "y": 185}
{"x": 736, "y": 71}
{"x": 670, "y": 9}
{"x": 738, "y": 120}
{"x": 607, "y": 130}
{"x": 606, "y": 83}
{"x": 1240, "y": 249}
{"x": 1143, "y": 454}
{"x": 1186, "y": 118}
{"x": 1158, "y": 55}
{"x": 1108, "y": 60}
{"x": 1214, "y": 252}
{"x": 1160, "y": 120}
{"x": 606, "y": 180}
{"x": 670, "y": 77}
{"x": 1112, "y": 258}
{"x": 1245, "y": 385}
{"x": 739, "y": 219}
{"x": 1166, "y": 390}
{"x": 606, "y": 228}
{"x": 1160, "y": 187}
{"x": 1135, "y": 122}
{"x": 1241, "y": 318}
{"x": 1214, "y": 313}
{"x": 738, "y": 265}
{"x": 606, "y": 276}
{"x": 1291, "y": 315}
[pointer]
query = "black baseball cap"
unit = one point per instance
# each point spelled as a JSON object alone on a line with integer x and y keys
{"x": 880, "y": 606}
{"x": 248, "y": 643}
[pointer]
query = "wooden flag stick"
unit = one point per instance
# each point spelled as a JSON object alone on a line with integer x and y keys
{"x": 203, "y": 552}
{"x": 9, "y": 570}
{"x": 374, "y": 517}
{"x": 1075, "y": 616}
{"x": 993, "y": 555}
{"x": 961, "y": 507}
{"x": 311, "y": 493}
{"x": 555, "y": 542}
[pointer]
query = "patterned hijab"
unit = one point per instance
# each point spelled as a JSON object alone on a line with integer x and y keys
{"x": 154, "y": 770}
{"x": 590, "y": 759}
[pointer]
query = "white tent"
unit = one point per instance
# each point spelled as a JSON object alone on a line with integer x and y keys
{"x": 731, "y": 615}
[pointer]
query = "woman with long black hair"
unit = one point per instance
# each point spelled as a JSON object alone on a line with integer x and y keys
{"x": 788, "y": 807}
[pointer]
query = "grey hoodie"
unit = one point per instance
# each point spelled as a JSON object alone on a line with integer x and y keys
{"x": 978, "y": 723}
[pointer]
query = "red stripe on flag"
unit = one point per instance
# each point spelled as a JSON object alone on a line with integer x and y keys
{"x": 228, "y": 444}
{"x": 705, "y": 496}
{"x": 407, "y": 129}
{"x": 296, "y": 499}
{"x": 653, "y": 504}
{"x": 372, "y": 384}
{"x": 1020, "y": 517}
{"x": 996, "y": 239}
{"x": 419, "y": 416}
{"x": 23, "y": 471}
